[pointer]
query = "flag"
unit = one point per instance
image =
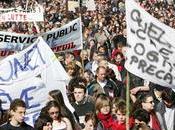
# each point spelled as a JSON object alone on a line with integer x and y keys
{"x": 30, "y": 75}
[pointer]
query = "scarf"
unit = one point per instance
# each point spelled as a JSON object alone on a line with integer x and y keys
{"x": 119, "y": 66}
{"x": 155, "y": 122}
{"x": 105, "y": 119}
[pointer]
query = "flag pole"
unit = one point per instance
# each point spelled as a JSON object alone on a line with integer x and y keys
{"x": 35, "y": 24}
{"x": 37, "y": 28}
{"x": 127, "y": 101}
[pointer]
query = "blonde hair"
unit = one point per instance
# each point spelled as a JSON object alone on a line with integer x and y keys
{"x": 101, "y": 101}
{"x": 71, "y": 66}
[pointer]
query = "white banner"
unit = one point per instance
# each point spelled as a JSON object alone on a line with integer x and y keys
{"x": 20, "y": 15}
{"x": 90, "y": 4}
{"x": 72, "y": 5}
{"x": 30, "y": 75}
{"x": 65, "y": 38}
{"x": 151, "y": 49}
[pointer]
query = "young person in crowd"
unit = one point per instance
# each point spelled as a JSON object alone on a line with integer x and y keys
{"x": 84, "y": 57}
{"x": 17, "y": 112}
{"x": 119, "y": 60}
{"x": 147, "y": 103}
{"x": 88, "y": 75}
{"x": 82, "y": 104}
{"x": 120, "y": 122}
{"x": 3, "y": 114}
{"x": 165, "y": 109}
{"x": 103, "y": 109}
{"x": 141, "y": 117}
{"x": 93, "y": 63}
{"x": 114, "y": 104}
{"x": 90, "y": 121}
{"x": 43, "y": 122}
{"x": 65, "y": 112}
{"x": 73, "y": 70}
{"x": 60, "y": 122}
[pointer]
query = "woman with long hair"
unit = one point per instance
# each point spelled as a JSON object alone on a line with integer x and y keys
{"x": 60, "y": 122}
{"x": 58, "y": 97}
{"x": 146, "y": 102}
{"x": 103, "y": 109}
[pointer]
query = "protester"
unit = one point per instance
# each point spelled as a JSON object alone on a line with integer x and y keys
{"x": 93, "y": 64}
{"x": 82, "y": 104}
{"x": 73, "y": 70}
{"x": 88, "y": 75}
{"x": 69, "y": 57}
{"x": 103, "y": 107}
{"x": 43, "y": 122}
{"x": 142, "y": 118}
{"x": 103, "y": 85}
{"x": 60, "y": 122}
{"x": 118, "y": 60}
{"x": 84, "y": 57}
{"x": 17, "y": 112}
{"x": 3, "y": 114}
{"x": 147, "y": 103}
{"x": 120, "y": 122}
{"x": 114, "y": 105}
{"x": 165, "y": 110}
{"x": 104, "y": 29}
{"x": 90, "y": 121}
{"x": 65, "y": 112}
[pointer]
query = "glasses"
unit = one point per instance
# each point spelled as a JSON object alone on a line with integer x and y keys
{"x": 52, "y": 113}
{"x": 151, "y": 102}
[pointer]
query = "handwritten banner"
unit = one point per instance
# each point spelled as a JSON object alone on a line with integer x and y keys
{"x": 151, "y": 49}
{"x": 20, "y": 15}
{"x": 66, "y": 38}
{"x": 30, "y": 75}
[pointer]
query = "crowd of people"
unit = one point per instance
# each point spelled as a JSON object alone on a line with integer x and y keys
{"x": 97, "y": 86}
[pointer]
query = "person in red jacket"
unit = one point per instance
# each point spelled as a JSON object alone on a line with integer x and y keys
{"x": 120, "y": 122}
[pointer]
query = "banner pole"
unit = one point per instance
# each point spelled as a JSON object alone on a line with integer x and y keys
{"x": 127, "y": 101}
{"x": 37, "y": 28}
{"x": 27, "y": 4}
{"x": 35, "y": 24}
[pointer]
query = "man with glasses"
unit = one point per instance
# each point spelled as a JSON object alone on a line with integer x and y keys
{"x": 16, "y": 119}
